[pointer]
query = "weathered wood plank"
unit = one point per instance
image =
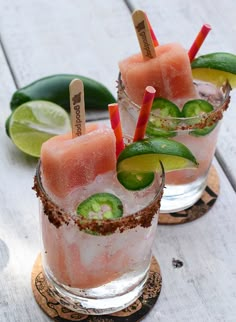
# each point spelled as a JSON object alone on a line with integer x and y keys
{"x": 203, "y": 289}
{"x": 80, "y": 38}
{"x": 42, "y": 38}
{"x": 86, "y": 38}
{"x": 19, "y": 233}
{"x": 180, "y": 21}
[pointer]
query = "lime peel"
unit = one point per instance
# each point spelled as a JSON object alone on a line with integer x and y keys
{"x": 215, "y": 68}
{"x": 150, "y": 163}
{"x": 144, "y": 156}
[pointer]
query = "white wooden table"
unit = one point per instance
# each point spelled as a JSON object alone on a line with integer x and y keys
{"x": 40, "y": 38}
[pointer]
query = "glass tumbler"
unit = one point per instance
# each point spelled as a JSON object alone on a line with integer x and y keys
{"x": 99, "y": 266}
{"x": 199, "y": 133}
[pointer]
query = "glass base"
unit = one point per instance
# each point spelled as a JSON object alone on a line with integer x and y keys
{"x": 96, "y": 301}
{"x": 180, "y": 197}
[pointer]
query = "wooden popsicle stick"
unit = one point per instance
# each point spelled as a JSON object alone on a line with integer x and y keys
{"x": 77, "y": 108}
{"x": 143, "y": 34}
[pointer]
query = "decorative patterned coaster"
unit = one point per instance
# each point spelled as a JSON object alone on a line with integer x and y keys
{"x": 200, "y": 208}
{"x": 135, "y": 312}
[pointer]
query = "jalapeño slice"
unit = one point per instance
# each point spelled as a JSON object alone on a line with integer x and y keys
{"x": 196, "y": 108}
{"x": 101, "y": 206}
{"x": 162, "y": 108}
{"x": 135, "y": 181}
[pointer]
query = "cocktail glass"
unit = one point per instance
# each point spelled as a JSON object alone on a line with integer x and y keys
{"x": 98, "y": 266}
{"x": 198, "y": 133}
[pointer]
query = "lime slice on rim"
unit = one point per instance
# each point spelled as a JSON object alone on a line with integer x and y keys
{"x": 215, "y": 68}
{"x": 143, "y": 157}
{"x": 34, "y": 122}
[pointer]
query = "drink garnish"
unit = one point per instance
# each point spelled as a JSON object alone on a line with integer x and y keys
{"x": 101, "y": 206}
{"x": 196, "y": 108}
{"x": 154, "y": 38}
{"x": 135, "y": 180}
{"x": 116, "y": 126}
{"x": 144, "y": 113}
{"x": 144, "y": 157}
{"x": 198, "y": 41}
{"x": 162, "y": 108}
{"x": 215, "y": 68}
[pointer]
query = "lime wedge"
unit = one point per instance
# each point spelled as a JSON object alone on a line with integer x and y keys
{"x": 144, "y": 157}
{"x": 215, "y": 68}
{"x": 34, "y": 122}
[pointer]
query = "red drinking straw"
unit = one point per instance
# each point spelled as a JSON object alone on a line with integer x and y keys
{"x": 154, "y": 39}
{"x": 198, "y": 41}
{"x": 144, "y": 113}
{"x": 116, "y": 126}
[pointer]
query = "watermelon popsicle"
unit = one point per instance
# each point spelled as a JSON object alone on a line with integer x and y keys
{"x": 169, "y": 73}
{"x": 68, "y": 163}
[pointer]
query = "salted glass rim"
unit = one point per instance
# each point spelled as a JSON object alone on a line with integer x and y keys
{"x": 214, "y": 116}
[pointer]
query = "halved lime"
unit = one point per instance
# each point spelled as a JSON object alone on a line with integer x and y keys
{"x": 215, "y": 68}
{"x": 34, "y": 122}
{"x": 144, "y": 157}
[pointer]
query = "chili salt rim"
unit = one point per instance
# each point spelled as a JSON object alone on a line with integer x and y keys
{"x": 181, "y": 123}
{"x": 58, "y": 216}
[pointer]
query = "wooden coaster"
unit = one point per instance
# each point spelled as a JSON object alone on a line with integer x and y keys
{"x": 200, "y": 208}
{"x": 135, "y": 312}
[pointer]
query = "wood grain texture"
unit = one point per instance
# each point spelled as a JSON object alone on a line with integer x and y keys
{"x": 180, "y": 21}
{"x": 78, "y": 37}
{"x": 45, "y": 37}
{"x": 42, "y": 38}
{"x": 203, "y": 289}
{"x": 19, "y": 227}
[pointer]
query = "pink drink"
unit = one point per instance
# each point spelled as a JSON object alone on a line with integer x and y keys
{"x": 183, "y": 187}
{"x": 95, "y": 266}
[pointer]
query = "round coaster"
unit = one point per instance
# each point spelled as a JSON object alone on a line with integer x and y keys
{"x": 135, "y": 312}
{"x": 200, "y": 208}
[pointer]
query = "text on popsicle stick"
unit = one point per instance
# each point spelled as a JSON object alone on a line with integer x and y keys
{"x": 77, "y": 108}
{"x": 143, "y": 34}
